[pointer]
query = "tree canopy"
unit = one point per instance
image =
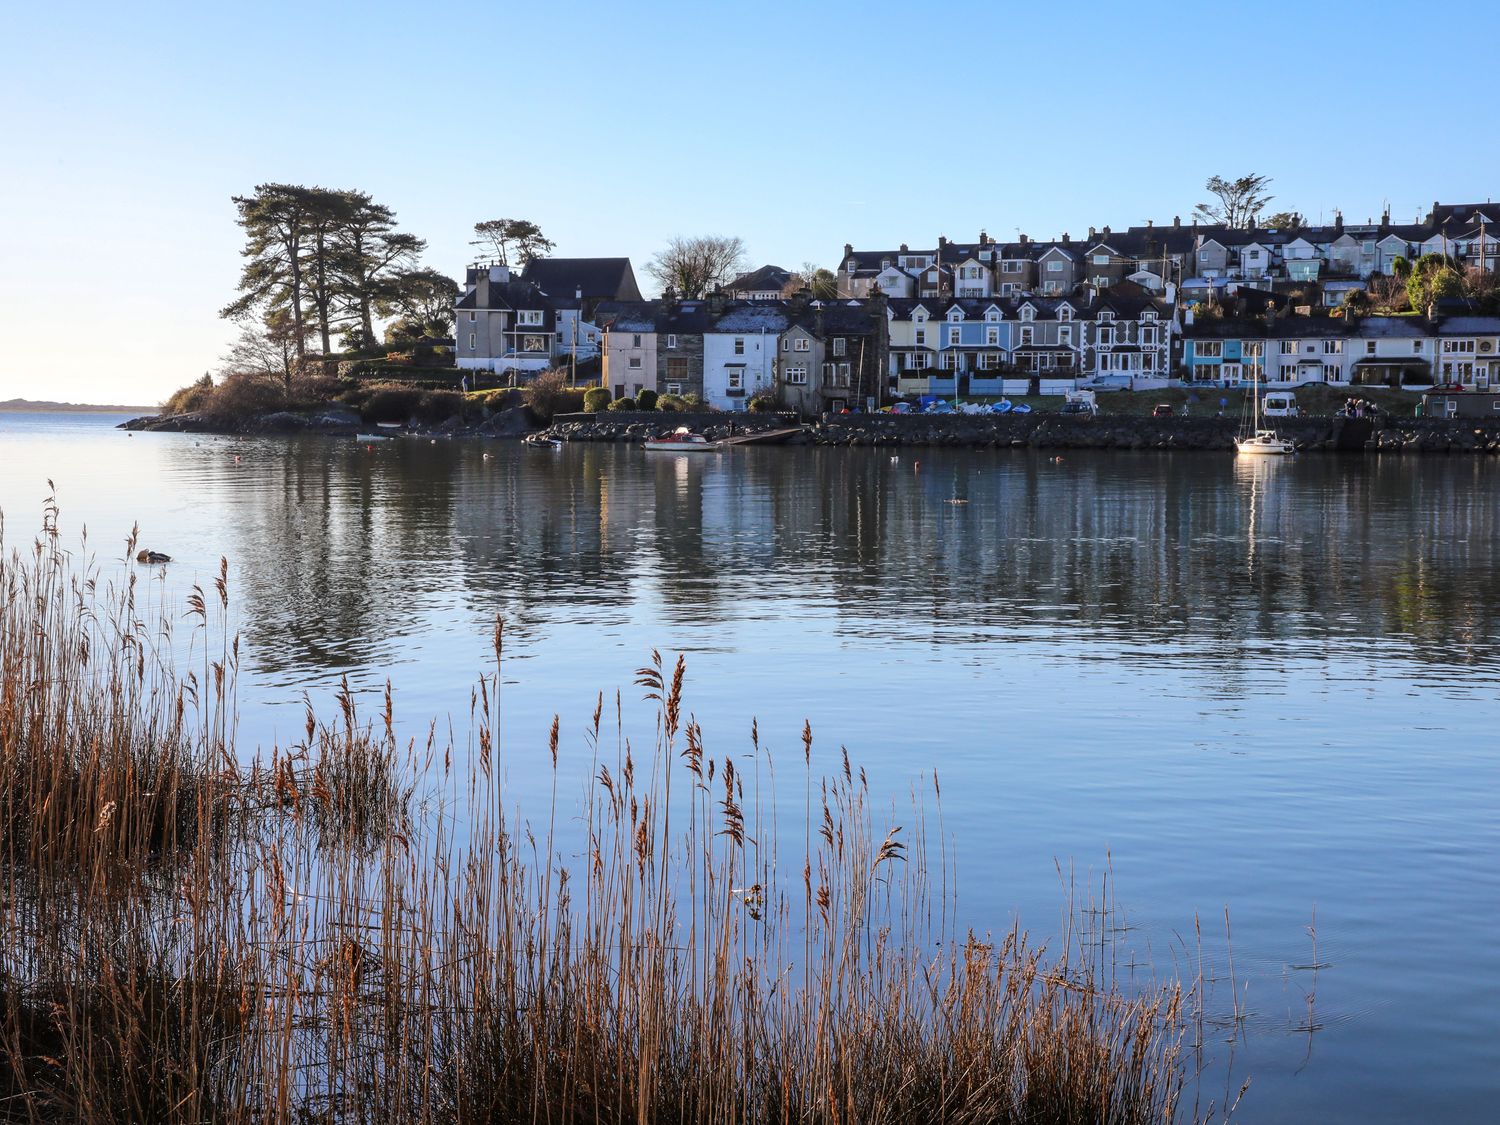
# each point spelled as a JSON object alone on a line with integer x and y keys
{"x": 1282, "y": 220}
{"x": 694, "y": 266}
{"x": 1239, "y": 201}
{"x": 322, "y": 261}
{"x": 504, "y": 238}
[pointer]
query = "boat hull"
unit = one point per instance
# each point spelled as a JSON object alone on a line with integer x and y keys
{"x": 1255, "y": 447}
{"x": 683, "y": 446}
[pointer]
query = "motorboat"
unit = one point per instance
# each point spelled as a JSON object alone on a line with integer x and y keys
{"x": 541, "y": 441}
{"x": 683, "y": 440}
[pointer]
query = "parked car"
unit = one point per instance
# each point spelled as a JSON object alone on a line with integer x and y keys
{"x": 1162, "y": 410}
{"x": 1088, "y": 410}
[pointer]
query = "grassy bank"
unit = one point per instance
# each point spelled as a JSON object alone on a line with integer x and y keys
{"x": 350, "y": 928}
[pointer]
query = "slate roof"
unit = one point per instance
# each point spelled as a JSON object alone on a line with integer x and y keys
{"x": 1469, "y": 326}
{"x": 599, "y": 278}
{"x": 759, "y": 281}
{"x": 507, "y": 295}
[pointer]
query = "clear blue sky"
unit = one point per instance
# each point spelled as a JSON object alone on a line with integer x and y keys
{"x": 796, "y": 126}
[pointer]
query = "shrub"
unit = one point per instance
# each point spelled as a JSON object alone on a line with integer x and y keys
{"x": 623, "y": 404}
{"x": 190, "y": 398}
{"x": 389, "y": 402}
{"x": 595, "y": 399}
{"x": 671, "y": 403}
{"x": 503, "y": 399}
{"x": 549, "y": 395}
{"x": 763, "y": 401}
{"x": 646, "y": 400}
{"x": 691, "y": 401}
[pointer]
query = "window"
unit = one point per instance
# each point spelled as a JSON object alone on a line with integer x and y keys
{"x": 671, "y": 341}
{"x": 1106, "y": 334}
{"x": 1253, "y": 255}
{"x": 1106, "y": 315}
{"x": 1289, "y": 347}
{"x": 1251, "y": 349}
{"x": 851, "y": 265}
{"x": 1369, "y": 347}
{"x": 1209, "y": 349}
{"x": 1054, "y": 267}
{"x": 802, "y": 344}
{"x": 739, "y": 345}
{"x": 1065, "y": 335}
{"x": 786, "y": 343}
{"x": 948, "y": 361}
{"x": 839, "y": 344}
{"x": 989, "y": 361}
{"x": 921, "y": 337}
{"x": 841, "y": 377}
{"x": 471, "y": 318}
{"x": 1149, "y": 316}
{"x": 1453, "y": 347}
{"x": 1065, "y": 313}
{"x": 1333, "y": 347}
{"x": 796, "y": 376}
{"x": 677, "y": 370}
{"x": 992, "y": 315}
{"x": 955, "y": 316}
{"x": 953, "y": 336}
{"x": 1028, "y": 313}
{"x": 471, "y": 341}
{"x": 529, "y": 316}
{"x": 635, "y": 340}
{"x": 919, "y": 361}
{"x": 674, "y": 388}
{"x": 992, "y": 336}
{"x": 1007, "y": 289}
{"x": 534, "y": 343}
{"x": 1148, "y": 337}
{"x": 635, "y": 363}
{"x": 1101, "y": 259}
{"x": 1010, "y": 267}
{"x": 737, "y": 379}
{"x": 1026, "y": 335}
{"x": 1416, "y": 346}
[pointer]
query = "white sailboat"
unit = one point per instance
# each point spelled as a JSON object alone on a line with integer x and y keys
{"x": 1263, "y": 442}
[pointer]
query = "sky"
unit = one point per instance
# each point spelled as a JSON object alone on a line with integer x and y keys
{"x": 796, "y": 126}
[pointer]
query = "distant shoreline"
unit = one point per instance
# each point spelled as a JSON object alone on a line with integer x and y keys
{"x": 29, "y": 406}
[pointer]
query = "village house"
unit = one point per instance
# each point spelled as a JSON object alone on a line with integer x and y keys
{"x": 504, "y": 325}
{"x": 769, "y": 283}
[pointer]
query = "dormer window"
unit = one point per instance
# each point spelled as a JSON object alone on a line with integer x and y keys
{"x": 955, "y": 316}
{"x": 1106, "y": 315}
{"x": 851, "y": 264}
{"x": 1028, "y": 313}
{"x": 885, "y": 263}
{"x": 1065, "y": 313}
{"x": 1149, "y": 314}
{"x": 992, "y": 315}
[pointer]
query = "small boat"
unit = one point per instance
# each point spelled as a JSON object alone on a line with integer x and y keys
{"x": 372, "y": 437}
{"x": 683, "y": 440}
{"x": 1264, "y": 442}
{"x": 542, "y": 441}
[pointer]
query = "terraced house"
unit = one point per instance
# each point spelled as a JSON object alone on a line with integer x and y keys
{"x": 1344, "y": 351}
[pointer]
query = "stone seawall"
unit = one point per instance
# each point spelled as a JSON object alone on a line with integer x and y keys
{"x": 1054, "y": 431}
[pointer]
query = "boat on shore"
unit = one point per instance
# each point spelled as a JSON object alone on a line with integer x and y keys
{"x": 541, "y": 441}
{"x": 683, "y": 440}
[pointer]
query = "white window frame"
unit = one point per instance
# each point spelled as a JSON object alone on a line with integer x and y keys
{"x": 796, "y": 376}
{"x": 736, "y": 378}
{"x": 671, "y": 341}
{"x": 739, "y": 345}
{"x": 529, "y": 318}
{"x": 840, "y": 345}
{"x": 801, "y": 344}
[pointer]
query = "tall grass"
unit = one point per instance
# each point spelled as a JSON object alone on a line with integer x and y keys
{"x": 193, "y": 933}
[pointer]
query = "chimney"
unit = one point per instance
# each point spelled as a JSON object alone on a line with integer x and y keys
{"x": 942, "y": 244}
{"x": 1150, "y": 224}
{"x": 984, "y": 239}
{"x": 1338, "y": 221}
{"x": 669, "y": 298}
{"x": 1065, "y": 238}
{"x": 1024, "y": 240}
{"x": 903, "y": 248}
{"x": 848, "y": 250}
{"x": 482, "y": 290}
{"x": 1106, "y": 232}
{"x": 1092, "y": 233}
{"x": 1176, "y": 222}
{"x": 716, "y": 302}
{"x": 1385, "y": 216}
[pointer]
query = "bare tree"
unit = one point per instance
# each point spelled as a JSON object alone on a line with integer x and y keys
{"x": 694, "y": 266}
{"x": 264, "y": 348}
{"x": 1240, "y": 201}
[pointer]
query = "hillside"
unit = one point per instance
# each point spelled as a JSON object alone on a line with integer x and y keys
{"x": 32, "y": 406}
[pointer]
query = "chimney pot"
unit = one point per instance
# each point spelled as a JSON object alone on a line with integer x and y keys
{"x": 1176, "y": 222}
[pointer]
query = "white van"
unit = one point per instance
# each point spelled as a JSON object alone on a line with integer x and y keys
{"x": 1279, "y": 404}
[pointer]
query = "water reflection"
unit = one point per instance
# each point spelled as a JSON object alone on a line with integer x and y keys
{"x": 1226, "y": 562}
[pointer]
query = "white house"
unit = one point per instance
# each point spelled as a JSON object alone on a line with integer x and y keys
{"x": 740, "y": 351}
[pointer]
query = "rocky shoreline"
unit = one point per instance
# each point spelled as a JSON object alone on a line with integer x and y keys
{"x": 1029, "y": 431}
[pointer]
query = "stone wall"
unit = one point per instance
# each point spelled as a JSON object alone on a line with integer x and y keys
{"x": 638, "y": 425}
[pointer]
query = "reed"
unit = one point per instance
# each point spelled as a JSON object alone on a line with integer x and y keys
{"x": 195, "y": 933}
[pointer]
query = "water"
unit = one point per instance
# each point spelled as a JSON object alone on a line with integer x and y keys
{"x": 1268, "y": 687}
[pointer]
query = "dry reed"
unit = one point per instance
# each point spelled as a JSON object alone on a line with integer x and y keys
{"x": 189, "y": 938}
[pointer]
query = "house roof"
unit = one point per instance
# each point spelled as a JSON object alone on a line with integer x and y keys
{"x": 599, "y": 278}
{"x": 763, "y": 280}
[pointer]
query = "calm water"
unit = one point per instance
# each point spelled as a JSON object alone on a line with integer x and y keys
{"x": 1269, "y": 687}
